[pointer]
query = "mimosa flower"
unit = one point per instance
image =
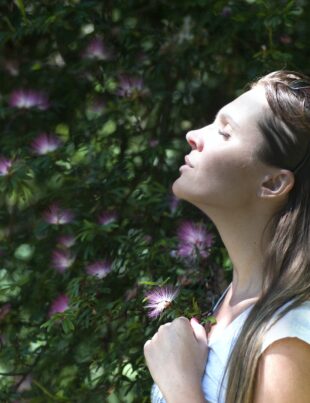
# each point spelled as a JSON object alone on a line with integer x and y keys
{"x": 160, "y": 299}
{"x": 153, "y": 143}
{"x": 66, "y": 240}
{"x": 45, "y": 143}
{"x": 193, "y": 238}
{"x": 189, "y": 251}
{"x": 129, "y": 86}
{"x": 60, "y": 304}
{"x": 28, "y": 99}
{"x": 62, "y": 260}
{"x": 99, "y": 269}
{"x": 56, "y": 215}
{"x": 96, "y": 49}
{"x": 107, "y": 217}
{"x": 5, "y": 165}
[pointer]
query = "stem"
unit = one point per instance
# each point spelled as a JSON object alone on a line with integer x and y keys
{"x": 47, "y": 393}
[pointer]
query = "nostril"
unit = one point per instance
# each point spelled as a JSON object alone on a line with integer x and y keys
{"x": 192, "y": 143}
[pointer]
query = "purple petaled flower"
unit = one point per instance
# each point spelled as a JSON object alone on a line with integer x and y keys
{"x": 286, "y": 39}
{"x": 192, "y": 233}
{"x": 4, "y": 310}
{"x": 5, "y": 165}
{"x": 62, "y": 260}
{"x": 193, "y": 238}
{"x": 66, "y": 240}
{"x": 28, "y": 99}
{"x": 153, "y": 143}
{"x": 129, "y": 86}
{"x": 96, "y": 49}
{"x": 60, "y": 304}
{"x": 99, "y": 269}
{"x": 226, "y": 12}
{"x": 45, "y": 143}
{"x": 160, "y": 299}
{"x": 55, "y": 215}
{"x": 189, "y": 251}
{"x": 107, "y": 217}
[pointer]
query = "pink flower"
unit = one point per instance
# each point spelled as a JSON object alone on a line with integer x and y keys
{"x": 193, "y": 239}
{"x": 160, "y": 299}
{"x": 96, "y": 49}
{"x": 107, "y": 217}
{"x": 29, "y": 99}
{"x": 286, "y": 39}
{"x": 4, "y": 310}
{"x": 129, "y": 86}
{"x": 99, "y": 269}
{"x": 226, "y": 12}
{"x": 153, "y": 143}
{"x": 45, "y": 143}
{"x": 66, "y": 240}
{"x": 55, "y": 215}
{"x": 60, "y": 304}
{"x": 5, "y": 165}
{"x": 62, "y": 260}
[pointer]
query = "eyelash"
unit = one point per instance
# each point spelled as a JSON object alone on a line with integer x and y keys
{"x": 225, "y": 135}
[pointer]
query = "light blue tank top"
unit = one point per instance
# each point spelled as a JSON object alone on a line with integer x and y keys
{"x": 295, "y": 323}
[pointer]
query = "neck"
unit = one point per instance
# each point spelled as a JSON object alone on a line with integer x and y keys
{"x": 241, "y": 234}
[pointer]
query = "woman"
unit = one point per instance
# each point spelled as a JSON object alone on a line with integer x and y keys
{"x": 249, "y": 171}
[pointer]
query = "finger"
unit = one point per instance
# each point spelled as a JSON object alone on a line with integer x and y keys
{"x": 165, "y": 325}
{"x": 146, "y": 347}
{"x": 199, "y": 331}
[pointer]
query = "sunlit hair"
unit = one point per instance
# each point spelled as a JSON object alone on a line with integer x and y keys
{"x": 286, "y": 241}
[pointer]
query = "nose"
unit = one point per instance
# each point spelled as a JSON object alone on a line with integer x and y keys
{"x": 194, "y": 140}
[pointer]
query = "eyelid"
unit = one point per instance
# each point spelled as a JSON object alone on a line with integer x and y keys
{"x": 224, "y": 134}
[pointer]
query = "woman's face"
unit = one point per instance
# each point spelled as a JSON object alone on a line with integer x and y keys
{"x": 222, "y": 169}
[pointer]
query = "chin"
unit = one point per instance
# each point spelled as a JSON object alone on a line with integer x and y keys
{"x": 179, "y": 190}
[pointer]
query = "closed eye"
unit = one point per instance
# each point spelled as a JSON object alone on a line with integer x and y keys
{"x": 225, "y": 135}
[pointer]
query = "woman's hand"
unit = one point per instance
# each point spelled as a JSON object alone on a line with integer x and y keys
{"x": 176, "y": 357}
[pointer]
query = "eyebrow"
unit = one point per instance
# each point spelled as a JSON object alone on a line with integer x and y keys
{"x": 227, "y": 117}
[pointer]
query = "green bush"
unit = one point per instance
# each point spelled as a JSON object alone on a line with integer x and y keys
{"x": 95, "y": 101}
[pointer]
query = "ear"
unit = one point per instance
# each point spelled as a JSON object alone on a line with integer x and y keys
{"x": 277, "y": 184}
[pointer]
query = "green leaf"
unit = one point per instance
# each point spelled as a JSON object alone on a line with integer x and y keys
{"x": 67, "y": 325}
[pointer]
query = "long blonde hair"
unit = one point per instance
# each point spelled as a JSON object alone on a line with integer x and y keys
{"x": 286, "y": 131}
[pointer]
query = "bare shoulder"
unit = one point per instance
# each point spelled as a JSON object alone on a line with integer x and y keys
{"x": 284, "y": 372}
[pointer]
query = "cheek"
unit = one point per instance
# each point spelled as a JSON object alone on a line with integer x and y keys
{"x": 219, "y": 179}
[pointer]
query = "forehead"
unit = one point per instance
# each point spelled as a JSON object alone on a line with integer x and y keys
{"x": 248, "y": 109}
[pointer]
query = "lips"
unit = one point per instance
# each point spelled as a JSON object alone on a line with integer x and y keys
{"x": 187, "y": 161}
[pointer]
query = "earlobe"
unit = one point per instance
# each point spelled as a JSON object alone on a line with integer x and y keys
{"x": 277, "y": 185}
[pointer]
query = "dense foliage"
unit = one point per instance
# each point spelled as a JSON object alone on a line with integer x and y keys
{"x": 95, "y": 100}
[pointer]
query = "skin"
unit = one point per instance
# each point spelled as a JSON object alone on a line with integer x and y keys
{"x": 237, "y": 191}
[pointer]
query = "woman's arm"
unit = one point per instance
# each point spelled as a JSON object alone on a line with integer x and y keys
{"x": 284, "y": 373}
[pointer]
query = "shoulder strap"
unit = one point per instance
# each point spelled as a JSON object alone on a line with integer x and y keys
{"x": 220, "y": 299}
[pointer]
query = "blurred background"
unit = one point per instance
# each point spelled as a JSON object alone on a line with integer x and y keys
{"x": 95, "y": 100}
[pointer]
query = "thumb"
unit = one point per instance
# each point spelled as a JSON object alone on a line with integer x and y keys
{"x": 199, "y": 331}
